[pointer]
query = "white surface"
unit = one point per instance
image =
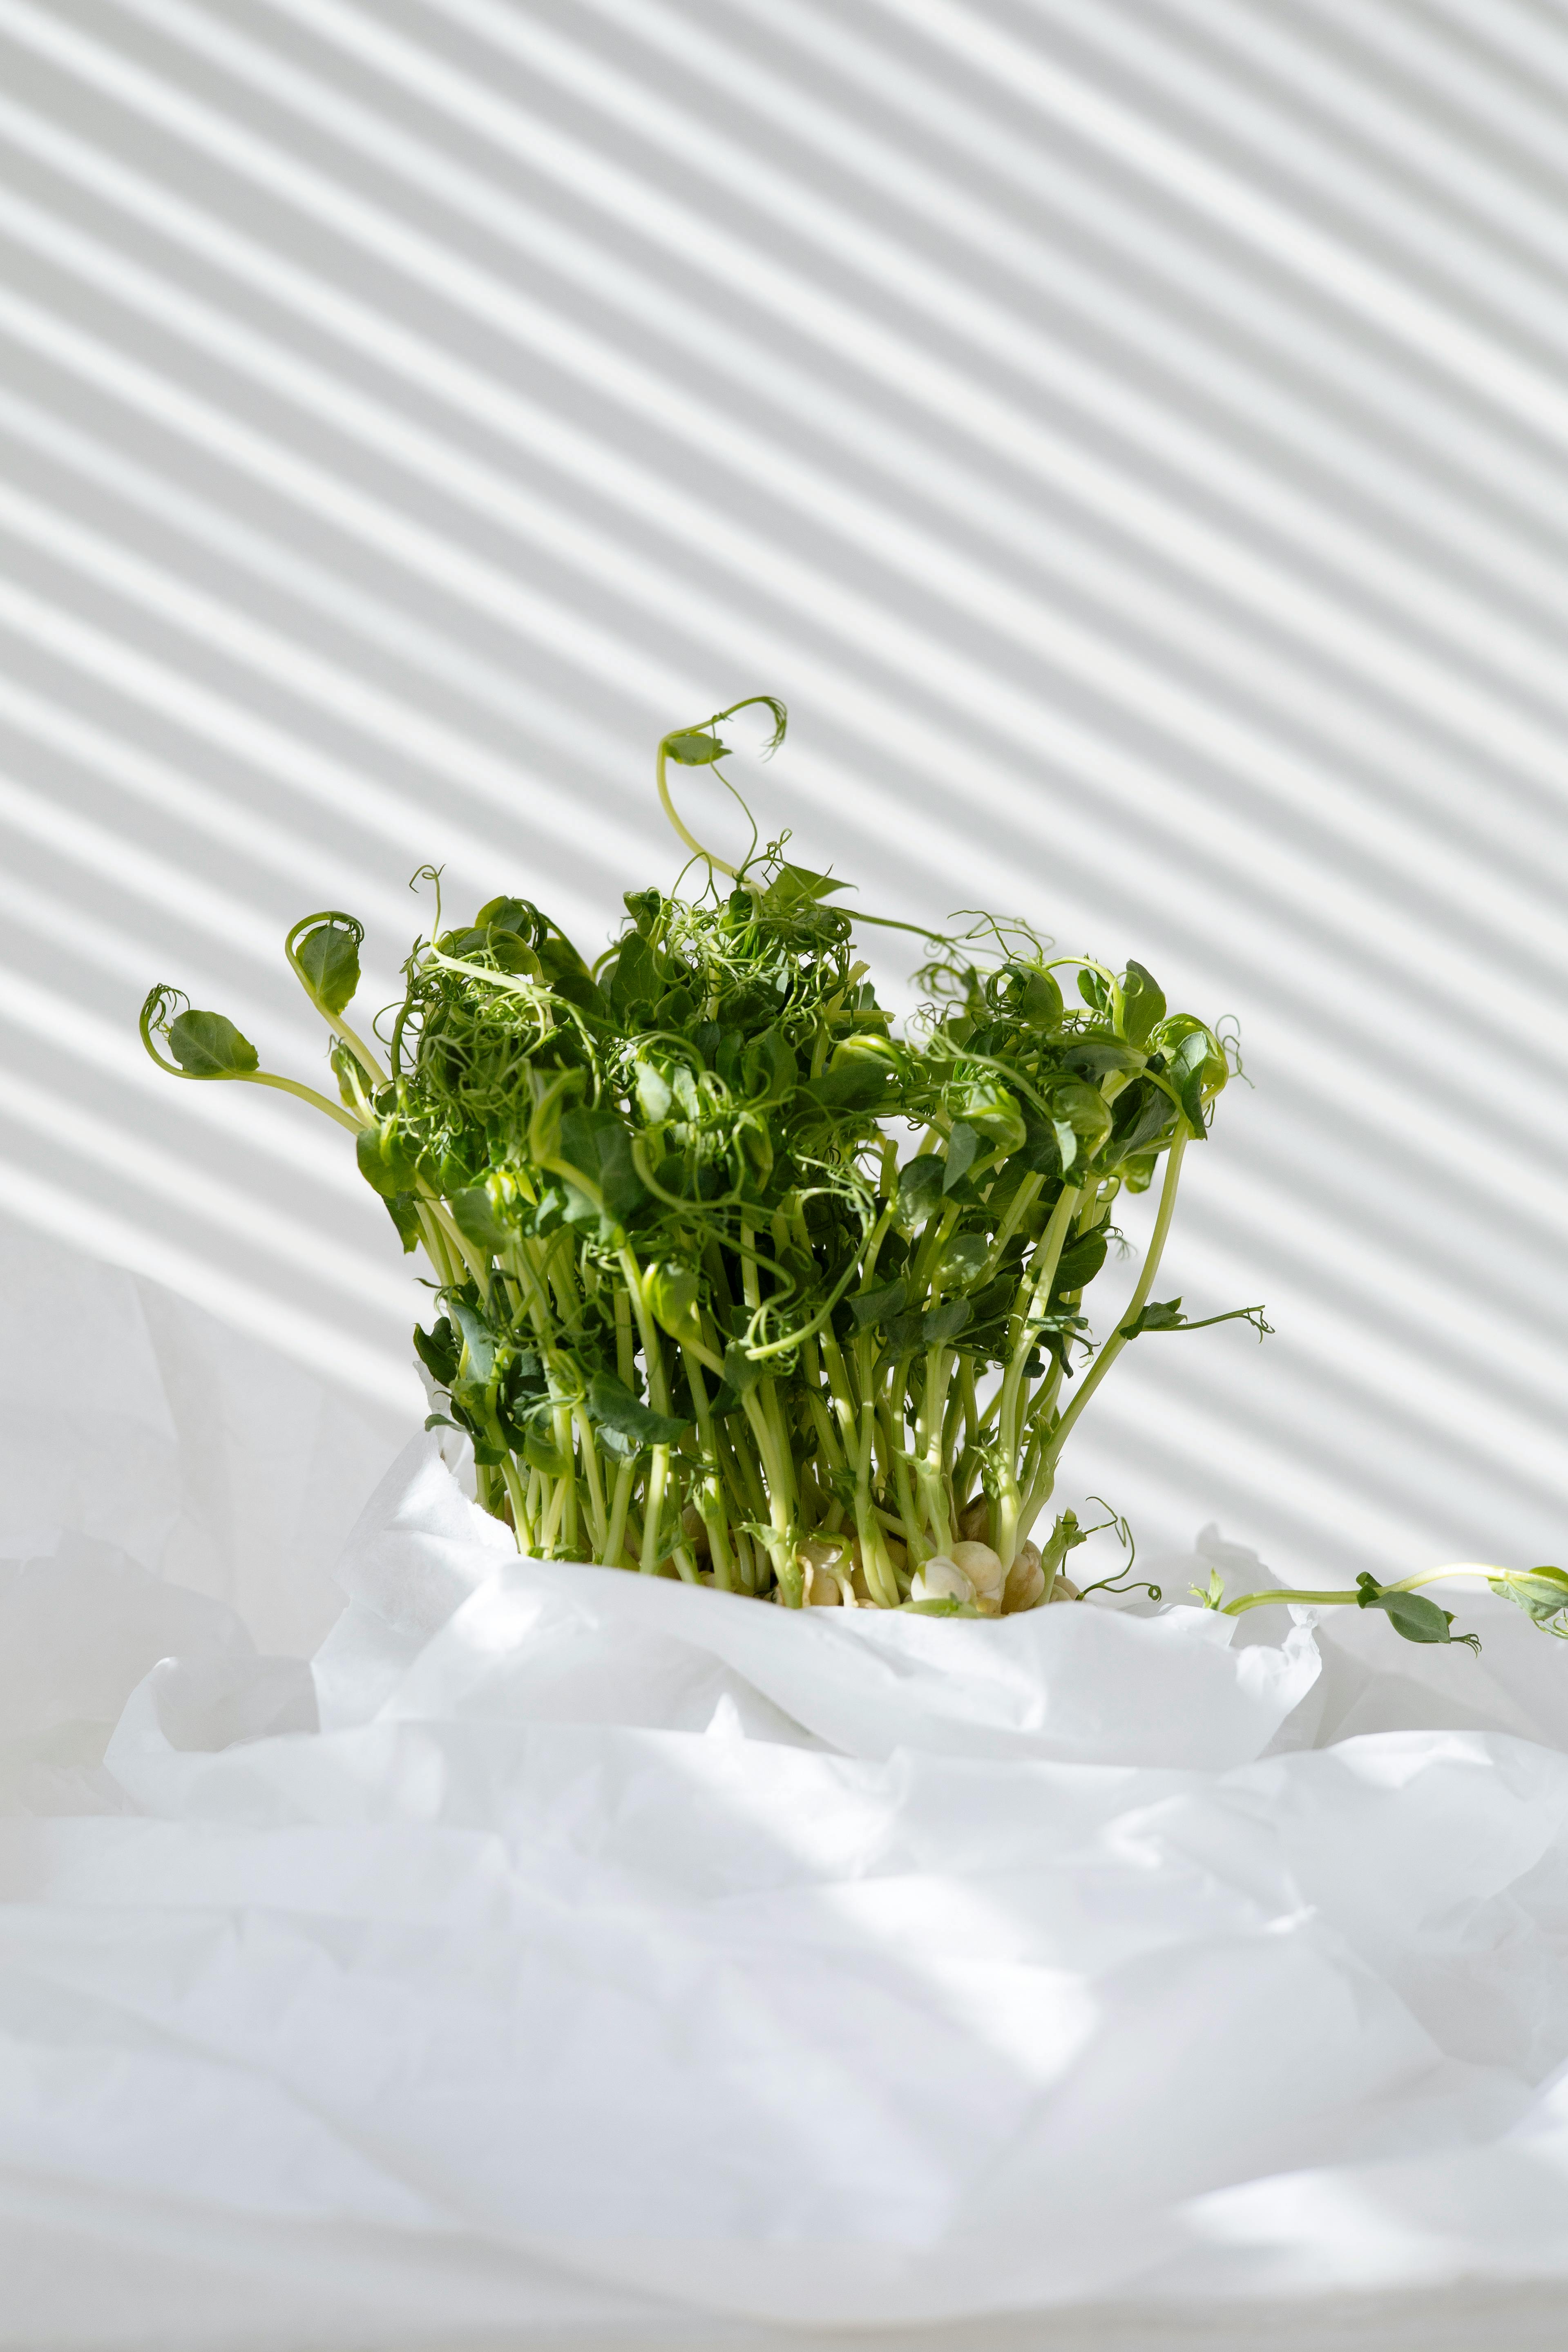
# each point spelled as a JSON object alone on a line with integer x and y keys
{"x": 623, "y": 1965}
{"x": 1131, "y": 436}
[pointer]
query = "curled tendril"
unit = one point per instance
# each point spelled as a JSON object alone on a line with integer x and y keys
{"x": 1227, "y": 1038}
{"x": 161, "y": 1004}
{"x": 1123, "y": 1581}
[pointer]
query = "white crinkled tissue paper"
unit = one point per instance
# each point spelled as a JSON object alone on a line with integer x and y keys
{"x": 562, "y": 1958}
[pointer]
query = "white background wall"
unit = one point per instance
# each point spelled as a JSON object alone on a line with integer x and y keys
{"x": 1132, "y": 435}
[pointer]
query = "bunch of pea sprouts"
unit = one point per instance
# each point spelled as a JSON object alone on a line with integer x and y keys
{"x": 736, "y": 1281}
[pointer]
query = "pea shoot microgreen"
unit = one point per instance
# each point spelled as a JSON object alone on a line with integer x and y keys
{"x": 736, "y": 1279}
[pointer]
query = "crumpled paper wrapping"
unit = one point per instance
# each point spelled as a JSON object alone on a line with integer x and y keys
{"x": 569, "y": 1957}
{"x": 133, "y": 1420}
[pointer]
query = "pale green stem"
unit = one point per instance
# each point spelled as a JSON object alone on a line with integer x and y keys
{"x": 1023, "y": 1200}
{"x": 554, "y": 1491}
{"x": 561, "y": 1430}
{"x": 826, "y": 1435}
{"x": 781, "y": 1545}
{"x": 1306, "y": 1596}
{"x": 843, "y": 1388}
{"x": 590, "y": 1473}
{"x": 652, "y": 1507}
{"x": 434, "y": 1245}
{"x": 620, "y": 1503}
{"x": 367, "y": 1060}
{"x": 1033, "y": 1297}
{"x": 1135, "y": 1304}
{"x": 306, "y": 1093}
{"x": 648, "y": 1330}
{"x": 712, "y": 1519}
{"x": 521, "y": 1527}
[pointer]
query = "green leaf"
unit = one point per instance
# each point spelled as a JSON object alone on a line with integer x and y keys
{"x": 1143, "y": 1002}
{"x": 945, "y": 1322}
{"x": 472, "y": 1407}
{"x": 1077, "y": 1104}
{"x": 509, "y": 952}
{"x": 635, "y": 979}
{"x": 329, "y": 958}
{"x": 526, "y": 1376}
{"x": 386, "y": 1160}
{"x": 402, "y": 1208}
{"x": 559, "y": 959}
{"x": 795, "y": 885}
{"x": 578, "y": 1210}
{"x": 1142, "y": 1112}
{"x": 653, "y": 1092}
{"x": 1166, "y": 1315}
{"x": 1093, "y": 1056}
{"x": 597, "y": 1145}
{"x": 994, "y": 1113}
{"x": 540, "y": 1453}
{"x": 673, "y": 1293}
{"x": 1040, "y": 1005}
{"x": 622, "y": 1187}
{"x": 1160, "y": 1314}
{"x": 1410, "y": 1614}
{"x": 675, "y": 1008}
{"x": 920, "y": 1192}
{"x": 520, "y": 917}
{"x": 473, "y": 1214}
{"x": 438, "y": 1351}
{"x": 1041, "y": 1152}
{"x": 695, "y": 748}
{"x": 1190, "y": 1096}
{"x": 576, "y": 986}
{"x": 478, "y": 1339}
{"x": 902, "y": 1334}
{"x": 996, "y": 1298}
{"x": 879, "y": 1305}
{"x": 1080, "y": 1263}
{"x": 851, "y": 1083}
{"x": 769, "y": 1070}
{"x": 1196, "y": 1065}
{"x": 351, "y": 1077}
{"x": 729, "y": 1052}
{"x": 611, "y": 1405}
{"x": 1542, "y": 1594}
{"x": 1185, "y": 1039}
{"x": 963, "y": 1149}
{"x": 962, "y": 1260}
{"x": 207, "y": 1045}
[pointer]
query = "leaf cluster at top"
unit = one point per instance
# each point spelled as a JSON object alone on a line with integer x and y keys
{"x": 727, "y": 1067}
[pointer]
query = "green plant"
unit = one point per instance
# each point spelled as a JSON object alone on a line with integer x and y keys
{"x": 736, "y": 1280}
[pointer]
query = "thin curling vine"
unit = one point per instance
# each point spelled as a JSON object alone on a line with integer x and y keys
{"x": 739, "y": 1282}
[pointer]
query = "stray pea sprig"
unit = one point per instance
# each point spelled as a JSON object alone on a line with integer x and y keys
{"x": 736, "y": 1280}
{"x": 1541, "y": 1592}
